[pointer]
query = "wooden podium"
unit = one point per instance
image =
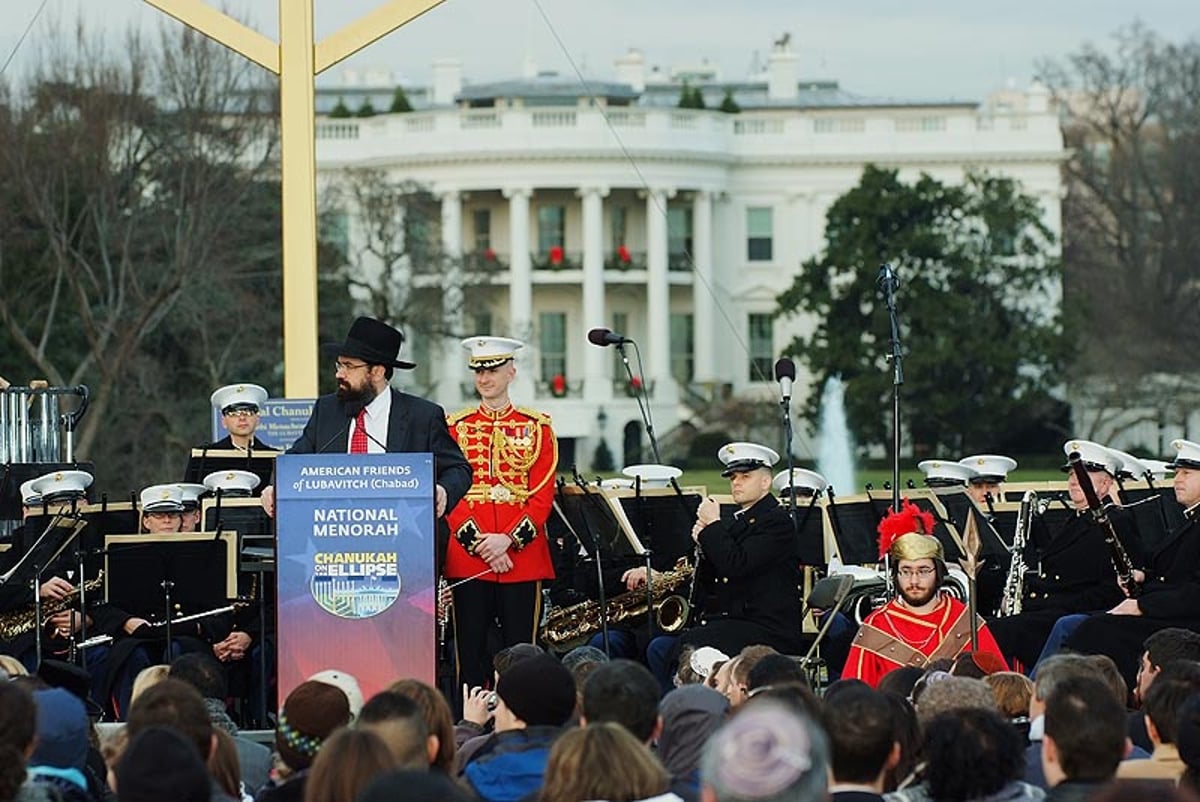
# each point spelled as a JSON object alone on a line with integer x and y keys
{"x": 355, "y": 567}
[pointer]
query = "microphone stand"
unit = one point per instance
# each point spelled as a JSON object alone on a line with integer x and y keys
{"x": 785, "y": 403}
{"x": 888, "y": 282}
{"x": 595, "y": 538}
{"x": 642, "y": 397}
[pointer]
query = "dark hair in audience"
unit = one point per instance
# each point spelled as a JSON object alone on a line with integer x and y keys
{"x": 18, "y": 725}
{"x": 748, "y": 658}
{"x": 775, "y": 669}
{"x": 623, "y": 692}
{"x": 438, "y": 719}
{"x": 582, "y": 762}
{"x": 414, "y": 786}
{"x": 1088, "y": 728}
{"x": 1187, "y": 739}
{"x": 861, "y": 734}
{"x": 347, "y": 762}
{"x": 842, "y": 685}
{"x": 177, "y": 706}
{"x": 1143, "y": 791}
{"x": 798, "y": 698}
{"x": 1171, "y": 644}
{"x": 977, "y": 753}
{"x": 224, "y": 766}
{"x": 900, "y": 681}
{"x": 1177, "y": 681}
{"x": 1111, "y": 676}
{"x": 396, "y": 719}
{"x": 202, "y": 671}
{"x": 906, "y": 731}
{"x": 508, "y": 656}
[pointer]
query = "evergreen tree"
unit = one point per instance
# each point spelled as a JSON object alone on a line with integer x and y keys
{"x": 400, "y": 102}
{"x": 339, "y": 111}
{"x": 366, "y": 109}
{"x": 728, "y": 104}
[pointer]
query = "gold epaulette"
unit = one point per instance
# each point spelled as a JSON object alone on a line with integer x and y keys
{"x": 455, "y": 417}
{"x": 533, "y": 414}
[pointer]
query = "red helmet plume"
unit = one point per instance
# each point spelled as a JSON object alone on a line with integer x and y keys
{"x": 908, "y": 519}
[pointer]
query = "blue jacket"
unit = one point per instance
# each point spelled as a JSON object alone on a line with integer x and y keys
{"x": 511, "y": 765}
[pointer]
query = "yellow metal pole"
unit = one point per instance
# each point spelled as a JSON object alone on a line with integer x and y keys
{"x": 297, "y": 113}
{"x": 297, "y": 59}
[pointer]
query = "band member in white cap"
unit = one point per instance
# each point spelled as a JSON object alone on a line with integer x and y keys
{"x": 367, "y": 416}
{"x": 240, "y": 406}
{"x": 748, "y": 579}
{"x": 1169, "y": 587}
{"x": 499, "y": 528}
{"x": 991, "y": 471}
{"x": 1071, "y": 571}
{"x": 190, "y": 493}
{"x": 162, "y": 509}
{"x": 803, "y": 484}
{"x": 945, "y": 473}
{"x": 921, "y": 624}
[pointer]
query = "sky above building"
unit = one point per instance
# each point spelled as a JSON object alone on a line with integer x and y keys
{"x": 916, "y": 49}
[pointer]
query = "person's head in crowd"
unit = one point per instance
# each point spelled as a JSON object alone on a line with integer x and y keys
{"x": 900, "y": 681}
{"x": 18, "y": 728}
{"x": 775, "y": 669}
{"x": 535, "y": 692}
{"x": 398, "y": 721}
{"x": 1163, "y": 647}
{"x": 1012, "y": 692}
{"x": 1187, "y": 741}
{"x": 202, "y": 671}
{"x": 348, "y": 761}
{"x": 1084, "y": 736}
{"x": 224, "y": 766}
{"x": 1143, "y": 791}
{"x": 626, "y": 693}
{"x": 954, "y": 693}
{"x": 862, "y": 737}
{"x": 1054, "y": 670}
{"x": 1172, "y": 686}
{"x": 698, "y": 664}
{"x": 509, "y": 656}
{"x": 581, "y": 662}
{"x": 439, "y": 721}
{"x": 766, "y": 753}
{"x": 797, "y": 697}
{"x": 977, "y": 665}
{"x": 1111, "y": 675}
{"x": 926, "y": 680}
{"x": 974, "y": 753}
{"x": 906, "y": 729}
{"x": 738, "y": 689}
{"x": 838, "y": 686}
{"x": 62, "y": 730}
{"x": 723, "y": 676}
{"x": 147, "y": 678}
{"x": 414, "y": 786}
{"x": 160, "y": 763}
{"x": 581, "y": 763}
{"x": 310, "y": 714}
{"x": 174, "y": 704}
{"x": 346, "y": 683}
{"x": 714, "y": 677}
{"x": 690, "y": 715}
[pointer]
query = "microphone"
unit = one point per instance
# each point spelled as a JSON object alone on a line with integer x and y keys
{"x": 887, "y": 281}
{"x": 351, "y": 409}
{"x": 785, "y": 374}
{"x": 606, "y": 337}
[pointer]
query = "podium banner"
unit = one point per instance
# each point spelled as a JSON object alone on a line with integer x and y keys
{"x": 355, "y": 567}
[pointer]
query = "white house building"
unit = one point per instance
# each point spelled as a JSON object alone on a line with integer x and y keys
{"x": 677, "y": 228}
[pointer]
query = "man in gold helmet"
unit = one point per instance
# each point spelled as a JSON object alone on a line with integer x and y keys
{"x": 921, "y": 624}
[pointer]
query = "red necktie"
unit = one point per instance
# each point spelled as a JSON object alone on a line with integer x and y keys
{"x": 358, "y": 440}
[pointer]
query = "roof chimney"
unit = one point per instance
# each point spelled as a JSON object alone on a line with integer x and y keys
{"x": 783, "y": 71}
{"x": 447, "y": 80}
{"x": 631, "y": 70}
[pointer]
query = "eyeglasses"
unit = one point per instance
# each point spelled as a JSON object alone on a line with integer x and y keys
{"x": 240, "y": 413}
{"x": 345, "y": 367}
{"x": 917, "y": 573}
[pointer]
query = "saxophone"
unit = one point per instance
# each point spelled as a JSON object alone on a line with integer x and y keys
{"x": 1014, "y": 583}
{"x": 15, "y": 623}
{"x": 570, "y": 626}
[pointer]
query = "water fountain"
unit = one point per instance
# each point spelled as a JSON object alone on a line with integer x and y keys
{"x": 835, "y": 449}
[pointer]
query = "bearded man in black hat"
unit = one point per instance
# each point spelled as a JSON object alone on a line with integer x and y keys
{"x": 365, "y": 415}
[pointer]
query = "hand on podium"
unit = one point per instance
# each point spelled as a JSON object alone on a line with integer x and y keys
{"x": 267, "y": 499}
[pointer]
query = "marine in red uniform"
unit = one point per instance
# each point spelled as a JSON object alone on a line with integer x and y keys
{"x": 498, "y": 554}
{"x": 921, "y": 624}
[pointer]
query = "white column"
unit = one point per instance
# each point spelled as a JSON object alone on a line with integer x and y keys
{"x": 704, "y": 310}
{"x": 658, "y": 299}
{"x": 520, "y": 290}
{"x": 595, "y": 386}
{"x": 452, "y": 373}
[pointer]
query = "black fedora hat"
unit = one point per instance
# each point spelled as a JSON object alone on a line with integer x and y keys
{"x": 372, "y": 341}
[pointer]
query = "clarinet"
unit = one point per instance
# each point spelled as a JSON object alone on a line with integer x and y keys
{"x": 1116, "y": 551}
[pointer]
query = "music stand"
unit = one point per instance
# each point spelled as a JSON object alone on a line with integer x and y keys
{"x": 177, "y": 571}
{"x": 659, "y": 519}
{"x": 855, "y": 524}
{"x": 204, "y": 461}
